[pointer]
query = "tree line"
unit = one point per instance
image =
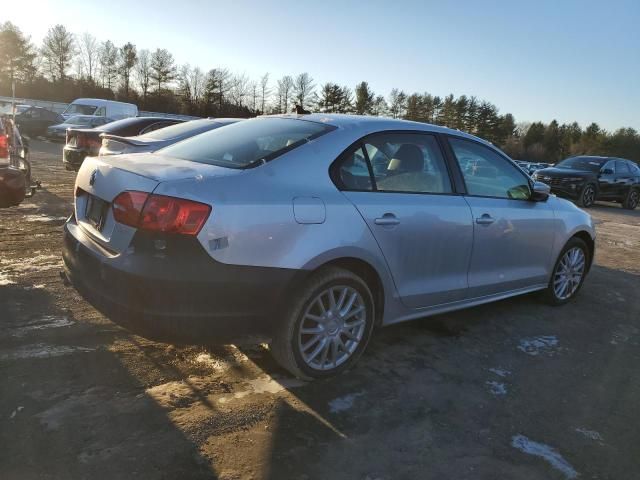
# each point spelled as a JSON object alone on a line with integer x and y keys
{"x": 67, "y": 66}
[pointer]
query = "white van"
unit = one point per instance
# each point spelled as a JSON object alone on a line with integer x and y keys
{"x": 102, "y": 108}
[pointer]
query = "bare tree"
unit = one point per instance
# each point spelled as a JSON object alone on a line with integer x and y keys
{"x": 285, "y": 90}
{"x": 88, "y": 49}
{"x": 264, "y": 91}
{"x": 58, "y": 48}
{"x": 239, "y": 89}
{"x": 302, "y": 88}
{"x": 143, "y": 72}
{"x": 253, "y": 92}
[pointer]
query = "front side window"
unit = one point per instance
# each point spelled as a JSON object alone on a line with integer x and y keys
{"x": 246, "y": 144}
{"x": 78, "y": 109}
{"x": 488, "y": 174}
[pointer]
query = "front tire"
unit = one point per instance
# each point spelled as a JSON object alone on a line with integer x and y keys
{"x": 587, "y": 196}
{"x": 569, "y": 272}
{"x": 632, "y": 199}
{"x": 326, "y": 327}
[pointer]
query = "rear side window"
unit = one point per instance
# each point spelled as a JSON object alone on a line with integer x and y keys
{"x": 399, "y": 162}
{"x": 634, "y": 168}
{"x": 249, "y": 143}
{"x": 621, "y": 167}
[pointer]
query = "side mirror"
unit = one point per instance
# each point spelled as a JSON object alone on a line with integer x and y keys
{"x": 607, "y": 171}
{"x": 541, "y": 192}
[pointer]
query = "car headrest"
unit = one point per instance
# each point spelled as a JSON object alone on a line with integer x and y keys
{"x": 408, "y": 158}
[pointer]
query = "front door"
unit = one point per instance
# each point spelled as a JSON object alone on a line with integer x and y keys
{"x": 513, "y": 236}
{"x": 400, "y": 185}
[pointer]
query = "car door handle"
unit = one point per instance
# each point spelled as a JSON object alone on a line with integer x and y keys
{"x": 485, "y": 219}
{"x": 387, "y": 219}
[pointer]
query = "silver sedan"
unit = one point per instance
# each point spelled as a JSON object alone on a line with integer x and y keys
{"x": 308, "y": 231}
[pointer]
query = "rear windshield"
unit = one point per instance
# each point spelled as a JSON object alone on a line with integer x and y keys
{"x": 181, "y": 129}
{"x": 78, "y": 109}
{"x": 246, "y": 144}
{"x": 583, "y": 163}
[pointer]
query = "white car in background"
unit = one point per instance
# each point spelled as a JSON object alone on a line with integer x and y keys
{"x": 100, "y": 108}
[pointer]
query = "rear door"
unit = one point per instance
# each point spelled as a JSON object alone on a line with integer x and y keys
{"x": 623, "y": 178}
{"x": 400, "y": 184}
{"x": 513, "y": 236}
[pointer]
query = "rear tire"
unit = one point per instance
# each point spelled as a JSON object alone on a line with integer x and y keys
{"x": 632, "y": 199}
{"x": 587, "y": 196}
{"x": 318, "y": 337}
{"x": 573, "y": 260}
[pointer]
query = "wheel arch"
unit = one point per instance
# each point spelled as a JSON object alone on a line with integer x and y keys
{"x": 365, "y": 270}
{"x": 586, "y": 238}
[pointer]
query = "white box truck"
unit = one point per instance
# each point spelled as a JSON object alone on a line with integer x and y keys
{"x": 103, "y": 108}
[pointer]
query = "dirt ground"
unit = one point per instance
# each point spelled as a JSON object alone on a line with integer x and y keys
{"x": 515, "y": 389}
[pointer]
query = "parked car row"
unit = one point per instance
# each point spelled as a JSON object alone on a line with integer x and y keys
{"x": 308, "y": 231}
{"x": 531, "y": 167}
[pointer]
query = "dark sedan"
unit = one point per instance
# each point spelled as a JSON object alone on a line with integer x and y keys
{"x": 34, "y": 121}
{"x": 586, "y": 179}
{"x": 83, "y": 142}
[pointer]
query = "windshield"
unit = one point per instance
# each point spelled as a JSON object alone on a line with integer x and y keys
{"x": 590, "y": 164}
{"x": 180, "y": 129}
{"x": 77, "y": 108}
{"x": 244, "y": 144}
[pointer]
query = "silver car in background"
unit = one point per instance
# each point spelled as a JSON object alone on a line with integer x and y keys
{"x": 311, "y": 230}
{"x": 163, "y": 137}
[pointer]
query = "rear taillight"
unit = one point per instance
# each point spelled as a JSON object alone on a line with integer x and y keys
{"x": 4, "y": 147}
{"x": 160, "y": 213}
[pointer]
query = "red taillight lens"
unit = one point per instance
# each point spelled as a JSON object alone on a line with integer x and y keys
{"x": 174, "y": 215}
{"x": 160, "y": 213}
{"x": 127, "y": 207}
{"x": 4, "y": 146}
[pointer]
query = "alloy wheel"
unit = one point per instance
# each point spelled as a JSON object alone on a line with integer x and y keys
{"x": 569, "y": 273}
{"x": 332, "y": 327}
{"x": 588, "y": 196}
{"x": 634, "y": 198}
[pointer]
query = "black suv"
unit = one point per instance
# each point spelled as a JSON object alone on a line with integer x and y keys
{"x": 586, "y": 179}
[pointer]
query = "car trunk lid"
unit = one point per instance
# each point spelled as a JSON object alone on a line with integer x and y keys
{"x": 101, "y": 179}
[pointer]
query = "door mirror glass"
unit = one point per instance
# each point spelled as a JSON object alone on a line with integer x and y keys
{"x": 607, "y": 171}
{"x": 540, "y": 192}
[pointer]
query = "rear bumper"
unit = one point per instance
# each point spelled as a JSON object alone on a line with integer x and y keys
{"x": 178, "y": 294}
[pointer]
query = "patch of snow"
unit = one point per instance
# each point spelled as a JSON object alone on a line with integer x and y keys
{"x": 592, "y": 434}
{"x": 15, "y": 412}
{"x": 42, "y": 218}
{"x": 346, "y": 402}
{"x": 42, "y": 350}
{"x": 38, "y": 286}
{"x": 546, "y": 452}
{"x": 497, "y": 388}
{"x": 48, "y": 321}
{"x": 500, "y": 372}
{"x": 35, "y": 264}
{"x": 544, "y": 344}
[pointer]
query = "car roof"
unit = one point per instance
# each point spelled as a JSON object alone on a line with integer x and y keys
{"x": 372, "y": 124}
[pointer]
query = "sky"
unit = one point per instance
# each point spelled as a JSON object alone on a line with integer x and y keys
{"x": 539, "y": 60}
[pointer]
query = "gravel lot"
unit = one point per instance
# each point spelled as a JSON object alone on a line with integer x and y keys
{"x": 515, "y": 389}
